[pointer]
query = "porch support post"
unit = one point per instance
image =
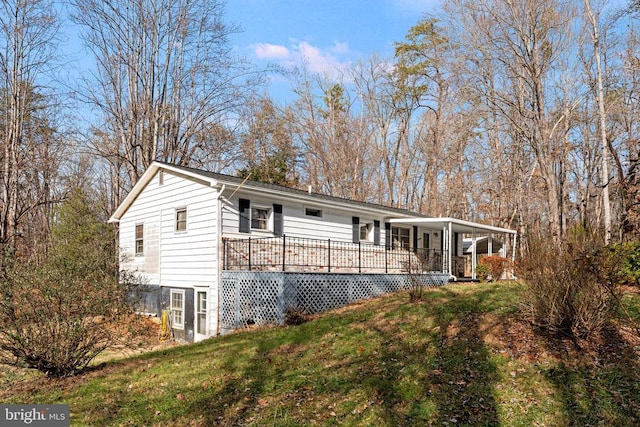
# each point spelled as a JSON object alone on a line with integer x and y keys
{"x": 447, "y": 257}
{"x": 474, "y": 254}
{"x": 489, "y": 244}
{"x": 443, "y": 247}
{"x": 513, "y": 254}
{"x": 449, "y": 245}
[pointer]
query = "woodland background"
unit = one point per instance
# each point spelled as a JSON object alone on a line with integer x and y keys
{"x": 519, "y": 114}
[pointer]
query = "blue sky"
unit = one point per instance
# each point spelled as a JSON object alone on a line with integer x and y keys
{"x": 326, "y": 34}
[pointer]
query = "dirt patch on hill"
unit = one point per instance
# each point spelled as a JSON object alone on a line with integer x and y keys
{"x": 518, "y": 338}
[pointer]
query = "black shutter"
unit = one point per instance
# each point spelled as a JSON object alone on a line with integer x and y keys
{"x": 387, "y": 234}
{"x": 277, "y": 220}
{"x": 244, "y": 210}
{"x": 415, "y": 238}
{"x": 355, "y": 222}
{"x": 376, "y": 232}
{"x": 455, "y": 243}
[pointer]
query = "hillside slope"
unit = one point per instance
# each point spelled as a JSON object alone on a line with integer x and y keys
{"x": 461, "y": 356}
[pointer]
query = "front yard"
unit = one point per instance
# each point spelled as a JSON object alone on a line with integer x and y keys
{"x": 461, "y": 356}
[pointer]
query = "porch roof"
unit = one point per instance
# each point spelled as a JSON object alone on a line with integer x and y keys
{"x": 457, "y": 225}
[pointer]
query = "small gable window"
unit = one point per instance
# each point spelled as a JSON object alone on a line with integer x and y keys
{"x": 181, "y": 219}
{"x": 139, "y": 239}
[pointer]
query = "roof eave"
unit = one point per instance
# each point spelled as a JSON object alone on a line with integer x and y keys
{"x": 318, "y": 199}
{"x": 460, "y": 222}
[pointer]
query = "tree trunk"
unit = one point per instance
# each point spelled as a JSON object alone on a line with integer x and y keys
{"x": 602, "y": 115}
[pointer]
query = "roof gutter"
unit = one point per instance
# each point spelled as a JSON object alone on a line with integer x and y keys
{"x": 434, "y": 221}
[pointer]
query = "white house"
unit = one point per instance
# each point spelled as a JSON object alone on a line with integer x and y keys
{"x": 174, "y": 223}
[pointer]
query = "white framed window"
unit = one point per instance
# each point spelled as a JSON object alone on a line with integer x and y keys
{"x": 366, "y": 232}
{"x": 177, "y": 308}
{"x": 400, "y": 237}
{"x": 139, "y": 238}
{"x": 314, "y": 212}
{"x": 181, "y": 219}
{"x": 260, "y": 218}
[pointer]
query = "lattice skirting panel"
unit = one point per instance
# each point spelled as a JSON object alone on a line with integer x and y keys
{"x": 262, "y": 298}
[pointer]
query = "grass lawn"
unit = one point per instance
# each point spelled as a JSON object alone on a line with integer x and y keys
{"x": 461, "y": 356}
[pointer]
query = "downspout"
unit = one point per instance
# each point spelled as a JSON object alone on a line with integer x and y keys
{"x": 220, "y": 261}
{"x": 160, "y": 269}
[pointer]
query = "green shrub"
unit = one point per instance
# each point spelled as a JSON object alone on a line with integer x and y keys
{"x": 482, "y": 271}
{"x": 628, "y": 256}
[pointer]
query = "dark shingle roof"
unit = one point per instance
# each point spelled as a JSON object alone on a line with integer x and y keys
{"x": 293, "y": 191}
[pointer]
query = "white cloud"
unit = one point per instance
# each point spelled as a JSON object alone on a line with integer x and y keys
{"x": 340, "y": 48}
{"x": 271, "y": 51}
{"x": 329, "y": 60}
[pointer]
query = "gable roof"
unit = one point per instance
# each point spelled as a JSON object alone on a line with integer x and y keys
{"x": 214, "y": 179}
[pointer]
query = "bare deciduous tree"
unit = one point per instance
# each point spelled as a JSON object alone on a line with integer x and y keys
{"x": 602, "y": 115}
{"x": 27, "y": 31}
{"x": 165, "y": 79}
{"x": 515, "y": 49}
{"x": 333, "y": 140}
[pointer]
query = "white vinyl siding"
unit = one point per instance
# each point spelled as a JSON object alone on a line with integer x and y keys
{"x": 186, "y": 258}
{"x": 334, "y": 223}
